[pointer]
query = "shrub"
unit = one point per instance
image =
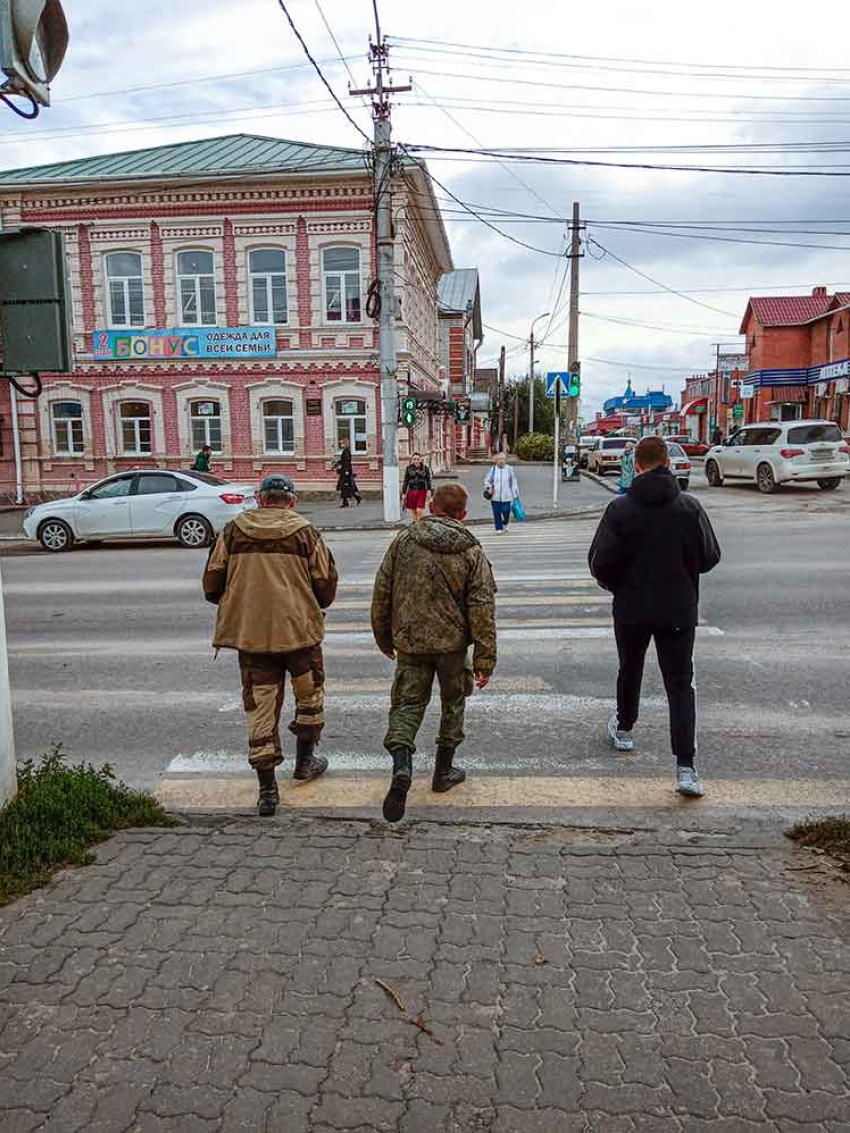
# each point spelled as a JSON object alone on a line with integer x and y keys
{"x": 58, "y": 813}
{"x": 536, "y": 446}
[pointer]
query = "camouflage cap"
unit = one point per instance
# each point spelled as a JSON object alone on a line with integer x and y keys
{"x": 277, "y": 482}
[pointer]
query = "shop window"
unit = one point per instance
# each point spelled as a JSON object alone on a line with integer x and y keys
{"x": 351, "y": 424}
{"x": 206, "y": 424}
{"x": 125, "y": 289}
{"x": 135, "y": 419}
{"x": 278, "y": 428}
{"x": 342, "y": 285}
{"x": 67, "y": 428}
{"x": 267, "y": 268}
{"x": 196, "y": 288}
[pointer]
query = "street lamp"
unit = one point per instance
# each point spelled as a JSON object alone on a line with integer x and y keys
{"x": 531, "y": 373}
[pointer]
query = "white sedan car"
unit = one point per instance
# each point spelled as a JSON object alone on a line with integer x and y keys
{"x": 148, "y": 503}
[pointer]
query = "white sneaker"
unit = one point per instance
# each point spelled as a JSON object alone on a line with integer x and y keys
{"x": 622, "y": 741}
{"x": 688, "y": 783}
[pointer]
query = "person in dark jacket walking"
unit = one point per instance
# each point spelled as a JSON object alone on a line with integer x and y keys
{"x": 418, "y": 487}
{"x": 346, "y": 483}
{"x": 650, "y": 549}
{"x": 202, "y": 460}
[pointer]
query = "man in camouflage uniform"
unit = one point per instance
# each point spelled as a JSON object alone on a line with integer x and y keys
{"x": 271, "y": 576}
{"x": 434, "y": 597}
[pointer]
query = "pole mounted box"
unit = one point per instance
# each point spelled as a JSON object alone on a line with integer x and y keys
{"x": 33, "y": 42}
{"x": 33, "y": 302}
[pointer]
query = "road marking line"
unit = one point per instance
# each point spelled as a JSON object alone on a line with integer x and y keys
{"x": 598, "y": 599}
{"x": 561, "y": 792}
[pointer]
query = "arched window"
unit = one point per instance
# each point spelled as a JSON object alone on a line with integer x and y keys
{"x": 135, "y": 427}
{"x": 196, "y": 288}
{"x": 126, "y": 289}
{"x": 351, "y": 424}
{"x": 206, "y": 424}
{"x": 278, "y": 428}
{"x": 341, "y": 271}
{"x": 267, "y": 267}
{"x": 67, "y": 428}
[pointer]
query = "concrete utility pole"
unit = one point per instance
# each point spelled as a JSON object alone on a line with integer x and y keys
{"x": 383, "y": 163}
{"x": 8, "y": 782}
{"x": 500, "y": 434}
{"x": 531, "y": 372}
{"x": 572, "y": 340}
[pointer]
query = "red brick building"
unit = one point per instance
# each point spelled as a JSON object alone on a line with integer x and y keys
{"x": 799, "y": 357}
{"x": 218, "y": 292}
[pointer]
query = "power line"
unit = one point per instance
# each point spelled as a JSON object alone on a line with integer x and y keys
{"x": 657, "y": 326}
{"x": 645, "y": 366}
{"x": 752, "y": 288}
{"x": 731, "y": 239}
{"x": 658, "y": 282}
{"x": 319, "y": 71}
{"x": 619, "y": 59}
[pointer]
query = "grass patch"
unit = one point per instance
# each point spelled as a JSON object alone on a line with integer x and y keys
{"x": 832, "y": 835}
{"x": 59, "y": 812}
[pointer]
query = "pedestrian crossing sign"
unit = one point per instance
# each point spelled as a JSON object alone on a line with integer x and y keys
{"x": 560, "y": 379}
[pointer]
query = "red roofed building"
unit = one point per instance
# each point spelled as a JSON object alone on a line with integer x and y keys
{"x": 799, "y": 357}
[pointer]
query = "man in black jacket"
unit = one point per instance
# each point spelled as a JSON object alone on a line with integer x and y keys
{"x": 649, "y": 550}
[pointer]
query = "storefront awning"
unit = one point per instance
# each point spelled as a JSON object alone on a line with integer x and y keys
{"x": 691, "y": 407}
{"x": 788, "y": 395}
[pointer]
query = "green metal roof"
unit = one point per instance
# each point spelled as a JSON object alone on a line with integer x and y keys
{"x": 232, "y": 155}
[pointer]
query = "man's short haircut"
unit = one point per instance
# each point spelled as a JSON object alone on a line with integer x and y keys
{"x": 651, "y": 453}
{"x": 451, "y": 500}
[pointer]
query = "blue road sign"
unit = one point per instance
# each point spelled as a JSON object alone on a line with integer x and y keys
{"x": 553, "y": 380}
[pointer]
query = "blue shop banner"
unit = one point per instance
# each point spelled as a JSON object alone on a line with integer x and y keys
{"x": 200, "y": 342}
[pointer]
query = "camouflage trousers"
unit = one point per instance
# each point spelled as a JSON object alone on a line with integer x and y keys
{"x": 263, "y": 679}
{"x": 411, "y": 695}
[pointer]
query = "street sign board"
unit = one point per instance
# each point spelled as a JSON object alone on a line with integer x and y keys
{"x": 737, "y": 411}
{"x": 745, "y": 392}
{"x": 558, "y": 379}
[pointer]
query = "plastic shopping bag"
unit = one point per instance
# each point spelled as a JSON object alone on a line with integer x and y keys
{"x": 518, "y": 511}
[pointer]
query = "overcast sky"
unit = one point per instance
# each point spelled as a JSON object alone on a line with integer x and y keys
{"x": 666, "y": 79}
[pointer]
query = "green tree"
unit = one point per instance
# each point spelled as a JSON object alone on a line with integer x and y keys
{"x": 516, "y": 389}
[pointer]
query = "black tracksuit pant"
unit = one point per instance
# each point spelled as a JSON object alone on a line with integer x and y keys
{"x": 675, "y": 649}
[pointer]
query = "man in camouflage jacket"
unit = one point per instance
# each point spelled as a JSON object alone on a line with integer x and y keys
{"x": 434, "y": 597}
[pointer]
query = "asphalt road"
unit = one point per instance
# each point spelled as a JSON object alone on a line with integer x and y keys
{"x": 110, "y": 656}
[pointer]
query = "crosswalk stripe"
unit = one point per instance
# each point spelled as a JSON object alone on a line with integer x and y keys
{"x": 560, "y": 792}
{"x": 504, "y": 600}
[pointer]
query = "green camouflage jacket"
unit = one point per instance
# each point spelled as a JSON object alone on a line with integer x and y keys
{"x": 435, "y": 593}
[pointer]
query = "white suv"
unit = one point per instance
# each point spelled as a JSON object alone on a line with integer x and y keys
{"x": 781, "y": 452}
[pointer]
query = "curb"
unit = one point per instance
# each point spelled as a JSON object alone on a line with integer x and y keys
{"x": 531, "y": 517}
{"x": 600, "y": 480}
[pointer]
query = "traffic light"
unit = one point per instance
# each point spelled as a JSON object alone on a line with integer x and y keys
{"x": 33, "y": 42}
{"x": 408, "y": 412}
{"x": 575, "y": 380}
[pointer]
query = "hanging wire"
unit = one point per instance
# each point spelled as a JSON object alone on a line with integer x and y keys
{"x": 30, "y": 115}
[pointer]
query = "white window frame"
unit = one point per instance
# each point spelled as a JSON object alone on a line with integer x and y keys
{"x": 124, "y": 280}
{"x": 358, "y": 448}
{"x": 344, "y": 277}
{"x": 268, "y": 278}
{"x": 68, "y": 424}
{"x": 278, "y": 417}
{"x": 195, "y": 418}
{"x": 136, "y": 421}
{"x": 196, "y": 278}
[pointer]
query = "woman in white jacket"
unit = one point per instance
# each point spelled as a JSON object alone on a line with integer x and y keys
{"x": 501, "y": 488}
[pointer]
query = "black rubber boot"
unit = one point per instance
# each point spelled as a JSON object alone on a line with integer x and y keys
{"x": 396, "y": 800}
{"x": 269, "y": 795}
{"x": 307, "y": 765}
{"x": 446, "y": 776}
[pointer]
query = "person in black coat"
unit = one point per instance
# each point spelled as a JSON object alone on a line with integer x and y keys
{"x": 650, "y": 549}
{"x": 418, "y": 487}
{"x": 346, "y": 483}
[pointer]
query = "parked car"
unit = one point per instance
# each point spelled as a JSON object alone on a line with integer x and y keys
{"x": 191, "y": 507}
{"x": 605, "y": 455}
{"x": 781, "y": 452}
{"x": 585, "y": 444}
{"x": 690, "y": 445}
{"x": 680, "y": 464}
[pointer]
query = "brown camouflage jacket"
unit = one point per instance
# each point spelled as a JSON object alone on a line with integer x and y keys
{"x": 435, "y": 593}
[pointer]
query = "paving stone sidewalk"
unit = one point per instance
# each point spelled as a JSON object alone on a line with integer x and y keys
{"x": 223, "y": 978}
